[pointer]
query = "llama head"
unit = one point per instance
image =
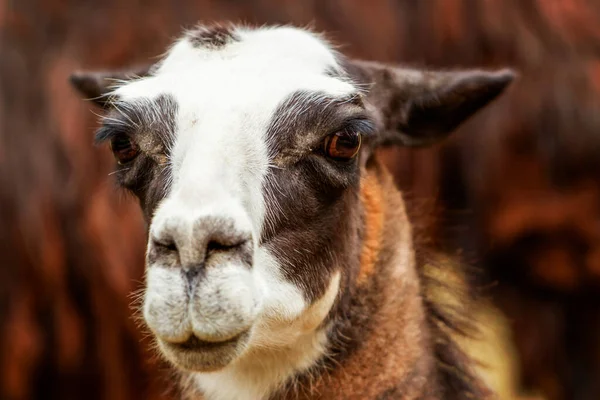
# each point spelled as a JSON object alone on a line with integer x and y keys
{"x": 245, "y": 148}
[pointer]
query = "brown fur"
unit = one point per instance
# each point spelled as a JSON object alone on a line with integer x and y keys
{"x": 391, "y": 342}
{"x": 372, "y": 201}
{"x": 393, "y": 356}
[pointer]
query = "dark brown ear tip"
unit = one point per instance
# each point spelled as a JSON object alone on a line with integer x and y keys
{"x": 505, "y": 76}
{"x": 496, "y": 82}
{"x": 82, "y": 82}
{"x": 76, "y": 79}
{"x": 90, "y": 86}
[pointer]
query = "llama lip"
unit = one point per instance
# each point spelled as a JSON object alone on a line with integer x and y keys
{"x": 202, "y": 356}
{"x": 196, "y": 344}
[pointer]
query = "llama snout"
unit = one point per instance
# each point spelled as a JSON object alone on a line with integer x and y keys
{"x": 201, "y": 298}
{"x": 194, "y": 244}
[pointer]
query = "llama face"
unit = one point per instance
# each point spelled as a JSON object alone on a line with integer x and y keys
{"x": 224, "y": 144}
{"x": 244, "y": 149}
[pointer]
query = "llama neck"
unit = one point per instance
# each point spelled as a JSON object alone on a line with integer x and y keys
{"x": 384, "y": 344}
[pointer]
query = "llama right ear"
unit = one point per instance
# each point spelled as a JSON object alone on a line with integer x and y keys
{"x": 418, "y": 108}
{"x": 97, "y": 85}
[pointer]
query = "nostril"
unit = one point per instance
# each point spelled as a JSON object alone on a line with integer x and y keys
{"x": 214, "y": 246}
{"x": 226, "y": 246}
{"x": 240, "y": 247}
{"x": 165, "y": 245}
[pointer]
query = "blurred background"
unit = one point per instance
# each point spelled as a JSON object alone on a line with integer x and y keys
{"x": 515, "y": 193}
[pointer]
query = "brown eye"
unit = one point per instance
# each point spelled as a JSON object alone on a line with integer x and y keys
{"x": 342, "y": 145}
{"x": 123, "y": 149}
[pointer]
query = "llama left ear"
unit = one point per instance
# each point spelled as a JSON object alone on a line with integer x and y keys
{"x": 419, "y": 108}
{"x": 97, "y": 85}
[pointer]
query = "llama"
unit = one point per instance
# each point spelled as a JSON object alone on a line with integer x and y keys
{"x": 280, "y": 258}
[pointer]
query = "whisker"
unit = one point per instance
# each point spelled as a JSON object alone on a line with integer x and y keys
{"x": 119, "y": 170}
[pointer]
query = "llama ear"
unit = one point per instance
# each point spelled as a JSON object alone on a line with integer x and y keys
{"x": 419, "y": 108}
{"x": 97, "y": 85}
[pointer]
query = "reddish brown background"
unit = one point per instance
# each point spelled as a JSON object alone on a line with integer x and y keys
{"x": 518, "y": 186}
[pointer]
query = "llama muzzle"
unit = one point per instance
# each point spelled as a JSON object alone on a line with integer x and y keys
{"x": 201, "y": 299}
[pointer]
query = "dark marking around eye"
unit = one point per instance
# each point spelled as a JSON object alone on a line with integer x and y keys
{"x": 141, "y": 132}
{"x": 291, "y": 133}
{"x": 154, "y": 117}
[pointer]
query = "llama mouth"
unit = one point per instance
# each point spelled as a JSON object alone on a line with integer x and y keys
{"x": 196, "y": 344}
{"x": 203, "y": 356}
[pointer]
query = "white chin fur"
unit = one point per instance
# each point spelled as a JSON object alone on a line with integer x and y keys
{"x": 286, "y": 340}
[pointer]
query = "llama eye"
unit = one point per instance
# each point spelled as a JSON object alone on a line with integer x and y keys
{"x": 123, "y": 149}
{"x": 342, "y": 145}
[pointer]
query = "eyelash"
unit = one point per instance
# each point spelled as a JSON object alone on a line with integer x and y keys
{"x": 363, "y": 125}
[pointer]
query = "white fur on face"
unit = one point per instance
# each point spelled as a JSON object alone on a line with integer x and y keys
{"x": 283, "y": 348}
{"x": 226, "y": 98}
